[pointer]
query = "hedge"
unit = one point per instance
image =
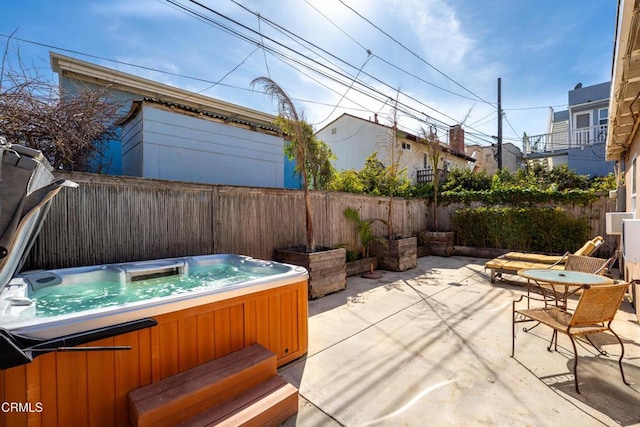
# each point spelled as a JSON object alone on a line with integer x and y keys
{"x": 525, "y": 229}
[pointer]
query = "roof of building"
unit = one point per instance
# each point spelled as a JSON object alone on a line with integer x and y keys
{"x": 73, "y": 68}
{"x": 583, "y": 95}
{"x": 137, "y": 105}
{"x": 560, "y": 116}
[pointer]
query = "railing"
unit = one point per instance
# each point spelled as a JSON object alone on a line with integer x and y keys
{"x": 426, "y": 175}
{"x": 574, "y": 138}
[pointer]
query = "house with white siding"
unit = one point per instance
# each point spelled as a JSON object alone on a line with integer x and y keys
{"x": 170, "y": 133}
{"x": 352, "y": 139}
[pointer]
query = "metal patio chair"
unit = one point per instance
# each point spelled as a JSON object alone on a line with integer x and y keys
{"x": 594, "y": 313}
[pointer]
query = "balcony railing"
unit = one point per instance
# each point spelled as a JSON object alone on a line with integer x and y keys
{"x": 574, "y": 138}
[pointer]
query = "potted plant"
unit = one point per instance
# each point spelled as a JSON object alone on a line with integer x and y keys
{"x": 364, "y": 262}
{"x": 435, "y": 242}
{"x": 396, "y": 253}
{"x": 326, "y": 266}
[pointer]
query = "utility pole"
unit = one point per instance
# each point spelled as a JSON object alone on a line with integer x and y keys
{"x": 499, "y": 123}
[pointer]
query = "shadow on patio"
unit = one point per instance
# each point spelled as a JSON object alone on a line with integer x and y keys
{"x": 432, "y": 346}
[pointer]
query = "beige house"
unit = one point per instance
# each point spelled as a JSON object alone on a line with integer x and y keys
{"x": 486, "y": 160}
{"x": 623, "y": 138}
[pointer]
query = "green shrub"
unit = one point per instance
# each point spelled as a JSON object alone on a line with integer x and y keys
{"x": 525, "y": 229}
{"x": 464, "y": 179}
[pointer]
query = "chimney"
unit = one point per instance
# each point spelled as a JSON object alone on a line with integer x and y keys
{"x": 456, "y": 139}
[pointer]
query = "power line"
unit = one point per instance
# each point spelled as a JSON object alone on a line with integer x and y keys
{"x": 412, "y": 52}
{"x": 311, "y": 60}
{"x": 509, "y": 123}
{"x": 420, "y": 116}
{"x": 244, "y": 37}
{"x": 347, "y": 91}
{"x": 534, "y": 108}
{"x": 291, "y": 35}
{"x": 402, "y": 70}
{"x": 169, "y": 73}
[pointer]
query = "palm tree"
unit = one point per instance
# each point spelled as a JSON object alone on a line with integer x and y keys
{"x": 299, "y": 143}
{"x": 434, "y": 152}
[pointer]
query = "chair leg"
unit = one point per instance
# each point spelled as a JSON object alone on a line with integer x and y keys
{"x": 598, "y": 349}
{"x": 554, "y": 340}
{"x": 513, "y": 329}
{"x": 621, "y": 355}
{"x": 575, "y": 363}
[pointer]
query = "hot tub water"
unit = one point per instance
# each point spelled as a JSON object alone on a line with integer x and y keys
{"x": 65, "y": 299}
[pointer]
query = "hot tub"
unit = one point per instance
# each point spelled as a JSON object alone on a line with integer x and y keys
{"x": 170, "y": 315}
{"x": 54, "y": 303}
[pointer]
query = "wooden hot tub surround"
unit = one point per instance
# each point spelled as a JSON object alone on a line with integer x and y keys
{"x": 90, "y": 388}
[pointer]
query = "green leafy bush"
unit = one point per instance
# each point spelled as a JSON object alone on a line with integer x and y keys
{"x": 374, "y": 179}
{"x": 464, "y": 179}
{"x": 526, "y": 229}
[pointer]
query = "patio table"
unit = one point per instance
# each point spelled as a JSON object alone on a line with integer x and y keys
{"x": 562, "y": 283}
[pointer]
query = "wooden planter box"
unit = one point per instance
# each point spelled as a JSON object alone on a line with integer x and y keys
{"x": 397, "y": 255}
{"x": 327, "y": 272}
{"x": 360, "y": 266}
{"x": 440, "y": 243}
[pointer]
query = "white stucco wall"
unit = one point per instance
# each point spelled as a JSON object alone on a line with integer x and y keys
{"x": 353, "y": 140}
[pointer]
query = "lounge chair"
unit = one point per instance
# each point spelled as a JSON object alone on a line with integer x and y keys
{"x": 586, "y": 250}
{"x": 505, "y": 265}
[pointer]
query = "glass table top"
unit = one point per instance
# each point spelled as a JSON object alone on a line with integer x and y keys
{"x": 564, "y": 277}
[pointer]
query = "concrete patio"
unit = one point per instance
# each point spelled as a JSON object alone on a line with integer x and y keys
{"x": 431, "y": 346}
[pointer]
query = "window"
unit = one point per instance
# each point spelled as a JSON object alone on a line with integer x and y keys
{"x": 603, "y": 121}
{"x": 603, "y": 116}
{"x": 425, "y": 161}
{"x": 406, "y": 146}
{"x": 333, "y": 131}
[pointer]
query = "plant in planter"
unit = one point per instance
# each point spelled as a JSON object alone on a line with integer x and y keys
{"x": 436, "y": 242}
{"x": 397, "y": 253}
{"x": 326, "y": 266}
{"x": 364, "y": 263}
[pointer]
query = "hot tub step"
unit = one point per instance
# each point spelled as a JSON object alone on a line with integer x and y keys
{"x": 181, "y": 396}
{"x": 267, "y": 404}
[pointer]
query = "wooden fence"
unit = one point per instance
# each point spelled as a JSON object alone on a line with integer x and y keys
{"x": 116, "y": 219}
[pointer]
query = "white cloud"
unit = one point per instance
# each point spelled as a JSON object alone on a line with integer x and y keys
{"x": 440, "y": 34}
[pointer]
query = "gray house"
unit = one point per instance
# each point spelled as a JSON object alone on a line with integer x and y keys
{"x": 575, "y": 137}
{"x": 170, "y": 133}
{"x": 165, "y": 140}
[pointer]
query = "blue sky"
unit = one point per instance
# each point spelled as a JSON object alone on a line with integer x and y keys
{"x": 444, "y": 56}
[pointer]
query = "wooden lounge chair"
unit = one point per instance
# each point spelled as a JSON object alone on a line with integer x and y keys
{"x": 587, "y": 249}
{"x": 594, "y": 313}
{"x": 499, "y": 266}
{"x": 502, "y": 265}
